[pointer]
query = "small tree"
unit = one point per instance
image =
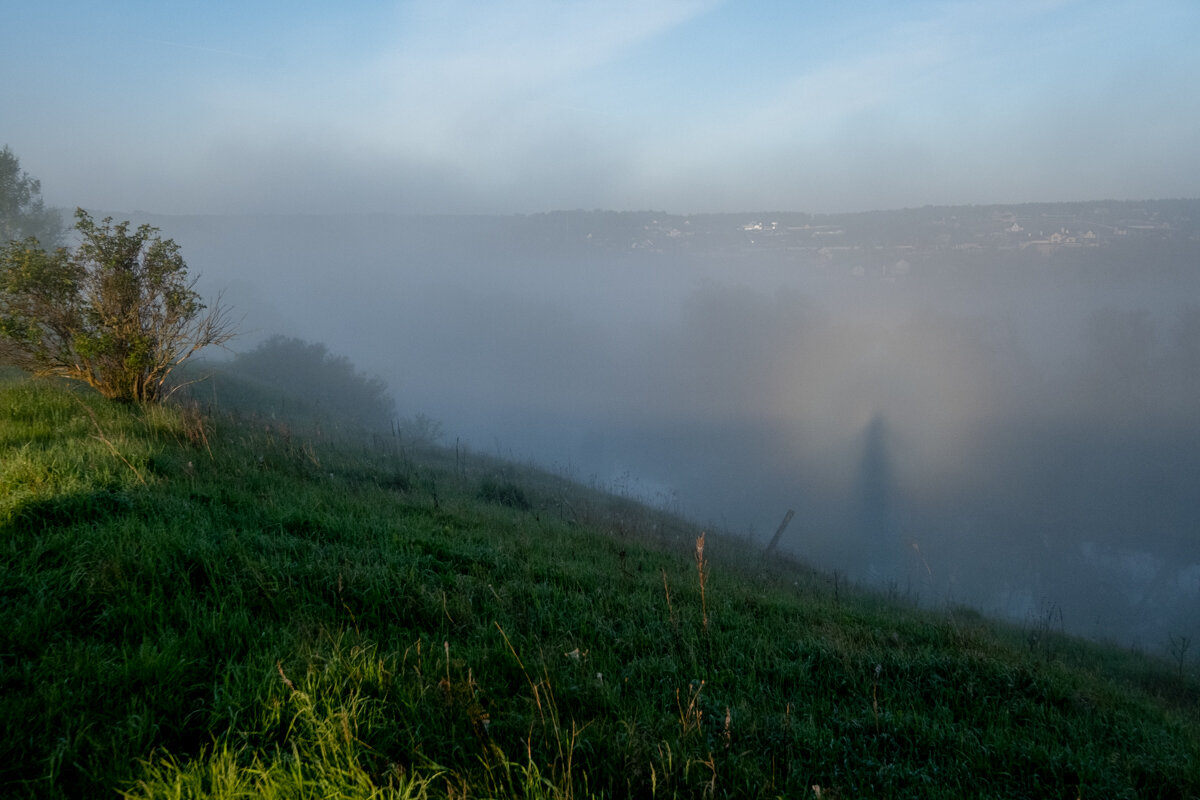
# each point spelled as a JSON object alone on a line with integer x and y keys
{"x": 117, "y": 312}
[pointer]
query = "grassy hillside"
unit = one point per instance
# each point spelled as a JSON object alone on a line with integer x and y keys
{"x": 210, "y": 607}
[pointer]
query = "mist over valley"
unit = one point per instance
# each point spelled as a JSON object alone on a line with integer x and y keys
{"x": 987, "y": 405}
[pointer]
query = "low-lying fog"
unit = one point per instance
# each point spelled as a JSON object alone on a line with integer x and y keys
{"x": 1017, "y": 429}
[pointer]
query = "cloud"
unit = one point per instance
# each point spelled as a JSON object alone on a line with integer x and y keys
{"x": 460, "y": 77}
{"x": 462, "y": 106}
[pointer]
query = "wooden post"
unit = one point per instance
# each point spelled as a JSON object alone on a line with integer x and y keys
{"x": 782, "y": 526}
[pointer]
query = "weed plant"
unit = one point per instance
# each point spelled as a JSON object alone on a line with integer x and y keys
{"x": 195, "y": 606}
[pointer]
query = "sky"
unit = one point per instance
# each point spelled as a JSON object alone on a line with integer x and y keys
{"x": 521, "y": 106}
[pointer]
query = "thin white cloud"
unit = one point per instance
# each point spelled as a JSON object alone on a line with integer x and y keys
{"x": 470, "y": 91}
{"x": 922, "y": 111}
{"x": 457, "y": 69}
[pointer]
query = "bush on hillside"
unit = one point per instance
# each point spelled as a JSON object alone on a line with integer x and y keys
{"x": 117, "y": 313}
{"x": 316, "y": 381}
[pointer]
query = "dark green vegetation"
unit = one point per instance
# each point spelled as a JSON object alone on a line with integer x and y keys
{"x": 297, "y": 379}
{"x": 118, "y": 312}
{"x": 199, "y": 606}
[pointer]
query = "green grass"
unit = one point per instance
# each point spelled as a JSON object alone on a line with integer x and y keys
{"x": 200, "y": 606}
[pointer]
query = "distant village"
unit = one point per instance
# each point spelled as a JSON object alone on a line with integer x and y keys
{"x": 896, "y": 239}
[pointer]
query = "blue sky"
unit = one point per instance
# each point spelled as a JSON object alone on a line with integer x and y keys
{"x": 531, "y": 105}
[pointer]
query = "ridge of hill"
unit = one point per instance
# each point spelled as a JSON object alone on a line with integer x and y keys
{"x": 203, "y": 605}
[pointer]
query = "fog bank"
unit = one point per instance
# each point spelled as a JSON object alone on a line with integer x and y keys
{"x": 956, "y": 410}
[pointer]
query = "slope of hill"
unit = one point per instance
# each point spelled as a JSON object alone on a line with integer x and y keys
{"x": 202, "y": 606}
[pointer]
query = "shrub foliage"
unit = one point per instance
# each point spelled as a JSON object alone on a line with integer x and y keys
{"x": 118, "y": 312}
{"x": 318, "y": 379}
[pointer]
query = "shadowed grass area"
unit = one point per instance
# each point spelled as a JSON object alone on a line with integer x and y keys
{"x": 197, "y": 606}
